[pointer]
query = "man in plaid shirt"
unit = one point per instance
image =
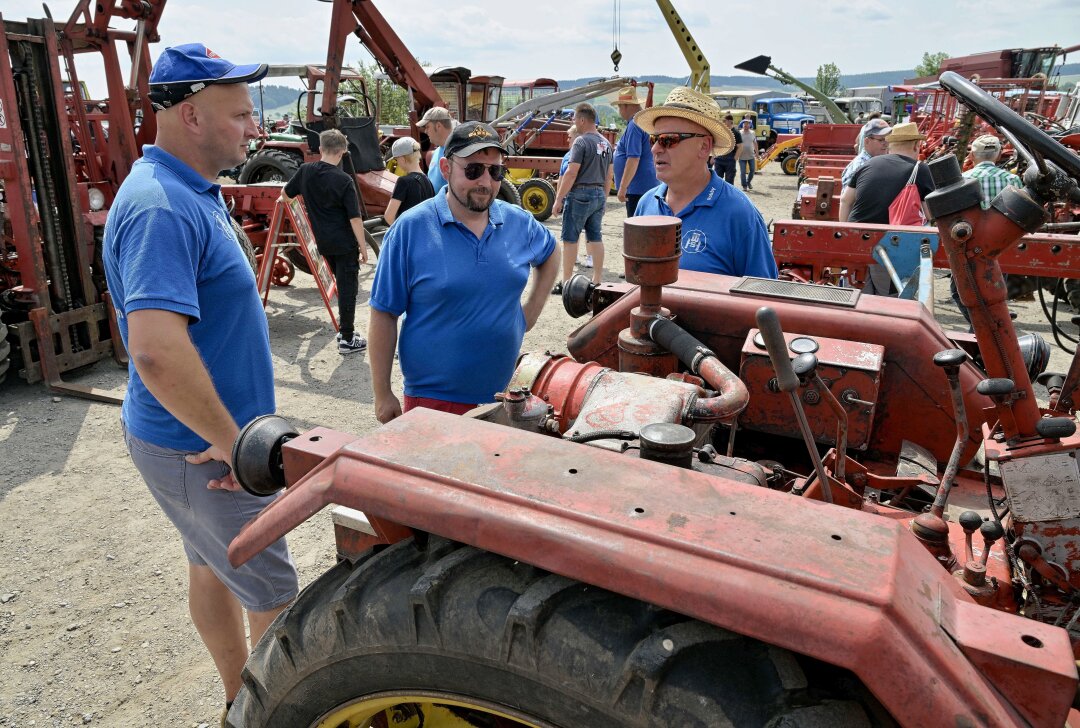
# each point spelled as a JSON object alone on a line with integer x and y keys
{"x": 985, "y": 152}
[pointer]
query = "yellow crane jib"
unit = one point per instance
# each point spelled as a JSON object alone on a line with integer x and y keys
{"x": 699, "y": 65}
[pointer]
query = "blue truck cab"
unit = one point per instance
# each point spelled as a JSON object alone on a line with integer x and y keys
{"x": 782, "y": 115}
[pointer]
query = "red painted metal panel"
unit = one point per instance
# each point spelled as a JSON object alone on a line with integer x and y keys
{"x": 818, "y": 244}
{"x": 848, "y": 368}
{"x": 841, "y": 585}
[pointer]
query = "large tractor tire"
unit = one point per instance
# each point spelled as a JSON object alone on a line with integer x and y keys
{"x": 5, "y": 352}
{"x": 431, "y": 633}
{"x": 790, "y": 164}
{"x": 245, "y": 244}
{"x": 508, "y": 193}
{"x": 269, "y": 165}
{"x": 538, "y": 197}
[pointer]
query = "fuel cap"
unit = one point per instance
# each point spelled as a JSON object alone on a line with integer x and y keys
{"x": 803, "y": 345}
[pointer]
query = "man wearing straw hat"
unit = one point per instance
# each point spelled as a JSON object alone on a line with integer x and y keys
{"x": 877, "y": 183}
{"x": 722, "y": 231}
{"x": 635, "y": 173}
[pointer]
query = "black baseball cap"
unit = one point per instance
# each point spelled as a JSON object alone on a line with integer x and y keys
{"x": 469, "y": 138}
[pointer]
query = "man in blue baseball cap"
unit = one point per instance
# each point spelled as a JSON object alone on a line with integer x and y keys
{"x": 193, "y": 323}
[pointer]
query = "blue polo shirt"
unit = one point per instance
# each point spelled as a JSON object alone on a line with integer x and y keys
{"x": 433, "y": 172}
{"x": 462, "y": 296}
{"x": 635, "y": 143}
{"x": 169, "y": 246}
{"x": 722, "y": 231}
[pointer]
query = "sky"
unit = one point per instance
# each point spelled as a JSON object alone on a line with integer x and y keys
{"x": 569, "y": 39}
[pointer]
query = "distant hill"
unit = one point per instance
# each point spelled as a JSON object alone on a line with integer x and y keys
{"x": 854, "y": 80}
{"x": 275, "y": 97}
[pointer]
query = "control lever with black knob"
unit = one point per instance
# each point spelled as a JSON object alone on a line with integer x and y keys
{"x": 950, "y": 361}
{"x": 974, "y": 570}
{"x": 788, "y": 381}
{"x": 805, "y": 366}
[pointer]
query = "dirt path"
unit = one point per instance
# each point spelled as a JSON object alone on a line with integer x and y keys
{"x": 93, "y": 616}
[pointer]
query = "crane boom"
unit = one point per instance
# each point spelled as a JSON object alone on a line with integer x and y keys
{"x": 699, "y": 65}
{"x": 763, "y": 65}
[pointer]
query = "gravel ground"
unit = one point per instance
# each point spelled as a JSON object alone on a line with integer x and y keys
{"x": 93, "y": 617}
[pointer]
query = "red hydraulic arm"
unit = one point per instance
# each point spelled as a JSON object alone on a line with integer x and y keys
{"x": 362, "y": 19}
{"x": 86, "y": 33}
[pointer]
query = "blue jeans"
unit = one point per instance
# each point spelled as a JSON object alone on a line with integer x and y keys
{"x": 583, "y": 209}
{"x": 747, "y": 167}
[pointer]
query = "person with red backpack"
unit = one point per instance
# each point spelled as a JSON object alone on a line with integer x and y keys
{"x": 888, "y": 190}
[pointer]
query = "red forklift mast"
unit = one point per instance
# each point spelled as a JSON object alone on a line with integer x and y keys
{"x": 62, "y": 158}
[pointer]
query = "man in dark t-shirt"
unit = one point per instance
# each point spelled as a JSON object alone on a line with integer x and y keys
{"x": 413, "y": 186}
{"x": 724, "y": 164}
{"x": 334, "y": 211}
{"x": 877, "y": 183}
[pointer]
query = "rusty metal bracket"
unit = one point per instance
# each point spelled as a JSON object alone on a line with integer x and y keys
{"x": 48, "y": 331}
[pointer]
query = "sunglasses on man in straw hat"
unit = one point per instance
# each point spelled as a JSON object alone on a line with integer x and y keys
{"x": 696, "y": 107}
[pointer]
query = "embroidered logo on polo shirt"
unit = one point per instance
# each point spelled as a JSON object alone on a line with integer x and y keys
{"x": 694, "y": 241}
{"x": 225, "y": 226}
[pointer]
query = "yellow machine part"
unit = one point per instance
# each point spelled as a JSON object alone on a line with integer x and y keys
{"x": 772, "y": 152}
{"x": 518, "y": 175}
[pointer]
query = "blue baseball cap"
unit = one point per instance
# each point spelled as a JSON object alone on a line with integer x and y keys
{"x": 186, "y": 69}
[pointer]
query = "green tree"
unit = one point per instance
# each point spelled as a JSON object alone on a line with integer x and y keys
{"x": 393, "y": 100}
{"x": 931, "y": 64}
{"x": 828, "y": 80}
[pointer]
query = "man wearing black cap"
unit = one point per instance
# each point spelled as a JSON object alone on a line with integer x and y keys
{"x": 192, "y": 320}
{"x": 457, "y": 264}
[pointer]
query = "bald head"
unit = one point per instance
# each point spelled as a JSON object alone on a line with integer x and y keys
{"x": 209, "y": 130}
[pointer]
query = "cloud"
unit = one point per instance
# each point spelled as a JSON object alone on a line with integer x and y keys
{"x": 573, "y": 38}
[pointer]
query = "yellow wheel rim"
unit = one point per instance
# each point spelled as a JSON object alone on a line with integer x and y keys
{"x": 518, "y": 175}
{"x": 412, "y": 711}
{"x": 536, "y": 200}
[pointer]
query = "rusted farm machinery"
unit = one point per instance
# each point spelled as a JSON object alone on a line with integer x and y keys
{"x": 876, "y": 532}
{"x": 533, "y": 130}
{"x": 62, "y": 158}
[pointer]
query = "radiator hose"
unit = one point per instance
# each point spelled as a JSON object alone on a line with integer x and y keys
{"x": 732, "y": 395}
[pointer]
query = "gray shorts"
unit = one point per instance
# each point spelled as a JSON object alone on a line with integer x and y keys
{"x": 209, "y": 519}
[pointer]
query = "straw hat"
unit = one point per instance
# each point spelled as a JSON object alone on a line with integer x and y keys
{"x": 908, "y": 132}
{"x": 685, "y": 103}
{"x": 627, "y": 97}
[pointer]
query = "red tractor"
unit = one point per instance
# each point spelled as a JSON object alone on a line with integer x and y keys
{"x": 680, "y": 525}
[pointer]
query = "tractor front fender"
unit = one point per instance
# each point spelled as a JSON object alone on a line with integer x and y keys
{"x": 843, "y": 586}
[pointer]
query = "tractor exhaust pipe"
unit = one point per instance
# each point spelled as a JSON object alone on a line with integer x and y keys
{"x": 733, "y": 395}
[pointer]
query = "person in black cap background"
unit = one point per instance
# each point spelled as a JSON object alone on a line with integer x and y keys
{"x": 334, "y": 210}
{"x": 457, "y": 265}
{"x": 193, "y": 324}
